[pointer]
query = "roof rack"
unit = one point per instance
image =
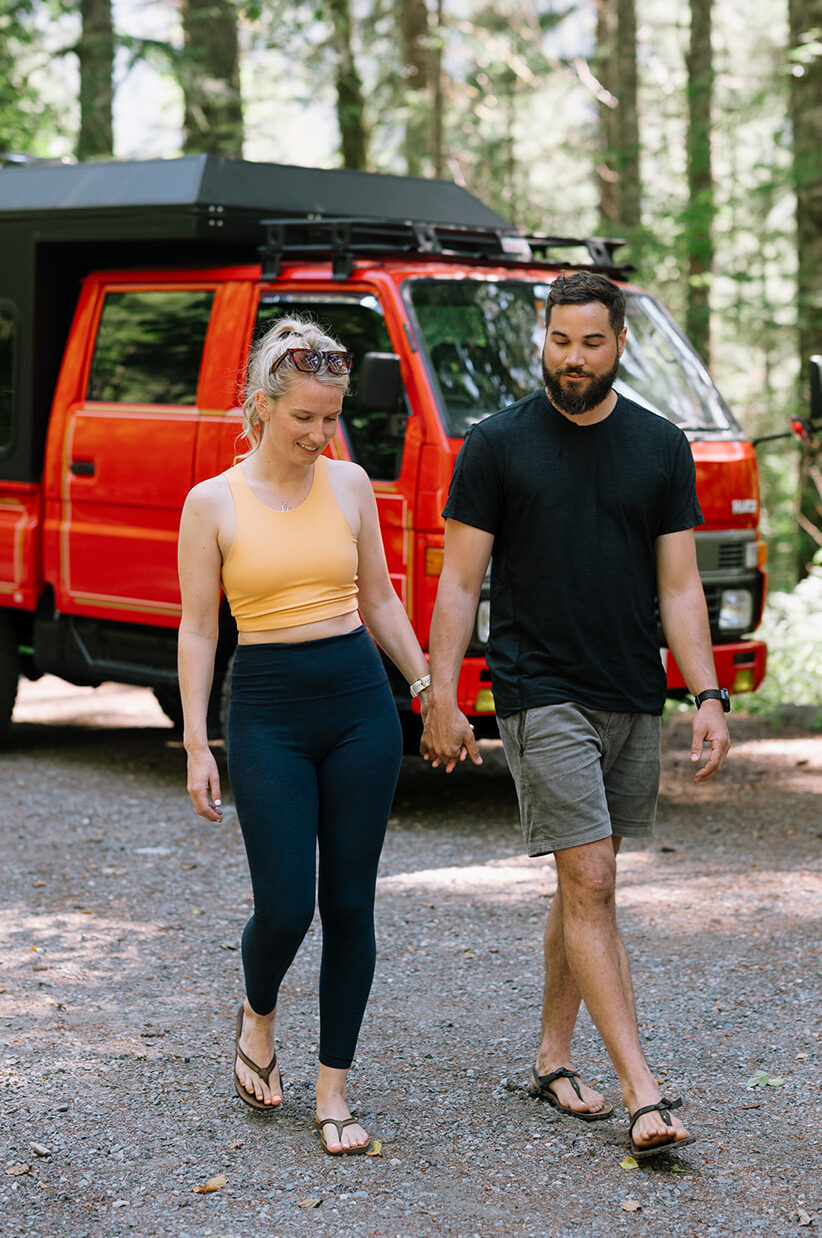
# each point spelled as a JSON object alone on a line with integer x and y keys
{"x": 342, "y": 240}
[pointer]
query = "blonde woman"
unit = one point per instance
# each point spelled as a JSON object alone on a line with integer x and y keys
{"x": 314, "y": 743}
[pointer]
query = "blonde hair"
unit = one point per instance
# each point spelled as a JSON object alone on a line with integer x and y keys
{"x": 293, "y": 332}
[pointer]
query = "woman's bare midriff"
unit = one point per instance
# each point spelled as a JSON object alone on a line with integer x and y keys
{"x": 339, "y": 626}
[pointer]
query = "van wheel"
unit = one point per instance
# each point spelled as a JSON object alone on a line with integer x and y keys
{"x": 225, "y": 696}
{"x": 411, "y": 724}
{"x": 168, "y": 699}
{"x": 9, "y": 670}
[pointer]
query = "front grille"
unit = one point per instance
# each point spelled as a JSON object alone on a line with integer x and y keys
{"x": 731, "y": 554}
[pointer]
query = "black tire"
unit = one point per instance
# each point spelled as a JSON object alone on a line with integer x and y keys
{"x": 411, "y": 724}
{"x": 9, "y": 670}
{"x": 168, "y": 699}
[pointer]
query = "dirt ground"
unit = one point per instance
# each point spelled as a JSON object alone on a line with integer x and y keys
{"x": 120, "y": 974}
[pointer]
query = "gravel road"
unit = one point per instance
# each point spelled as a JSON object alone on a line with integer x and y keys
{"x": 120, "y": 974}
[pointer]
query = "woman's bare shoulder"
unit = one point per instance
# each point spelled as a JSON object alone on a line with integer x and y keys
{"x": 209, "y": 497}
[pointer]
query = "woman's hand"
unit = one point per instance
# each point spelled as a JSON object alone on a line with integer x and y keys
{"x": 203, "y": 784}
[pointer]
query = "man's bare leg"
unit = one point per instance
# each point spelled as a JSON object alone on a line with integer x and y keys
{"x": 560, "y": 1007}
{"x": 598, "y": 964}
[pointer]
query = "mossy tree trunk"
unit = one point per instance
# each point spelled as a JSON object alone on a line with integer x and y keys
{"x": 699, "y": 213}
{"x": 210, "y": 74}
{"x": 350, "y": 101}
{"x": 805, "y": 57}
{"x": 95, "y": 52}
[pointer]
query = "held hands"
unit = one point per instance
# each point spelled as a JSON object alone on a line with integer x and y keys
{"x": 709, "y": 727}
{"x": 204, "y": 784}
{"x": 447, "y": 737}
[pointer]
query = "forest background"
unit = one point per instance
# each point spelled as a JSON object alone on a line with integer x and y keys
{"x": 693, "y": 128}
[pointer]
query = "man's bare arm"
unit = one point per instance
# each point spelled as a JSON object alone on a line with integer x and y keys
{"x": 684, "y": 617}
{"x": 448, "y": 737}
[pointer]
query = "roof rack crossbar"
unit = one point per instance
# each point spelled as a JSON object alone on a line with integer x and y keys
{"x": 341, "y": 240}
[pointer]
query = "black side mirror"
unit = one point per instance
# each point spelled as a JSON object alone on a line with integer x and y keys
{"x": 379, "y": 385}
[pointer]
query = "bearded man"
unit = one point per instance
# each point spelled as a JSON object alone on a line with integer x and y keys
{"x": 585, "y": 504}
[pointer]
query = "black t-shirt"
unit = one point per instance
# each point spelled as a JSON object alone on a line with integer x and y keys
{"x": 575, "y": 512}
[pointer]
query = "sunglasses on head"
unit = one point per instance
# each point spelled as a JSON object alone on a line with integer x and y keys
{"x": 310, "y": 360}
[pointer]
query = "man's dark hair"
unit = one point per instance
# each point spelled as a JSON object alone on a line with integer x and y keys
{"x": 582, "y": 288}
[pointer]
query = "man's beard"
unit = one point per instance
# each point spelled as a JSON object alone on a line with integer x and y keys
{"x": 575, "y": 403}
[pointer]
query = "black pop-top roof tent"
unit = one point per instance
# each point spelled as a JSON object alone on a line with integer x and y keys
{"x": 189, "y": 197}
{"x": 60, "y": 221}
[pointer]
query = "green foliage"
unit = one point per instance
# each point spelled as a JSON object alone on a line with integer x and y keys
{"x": 792, "y": 627}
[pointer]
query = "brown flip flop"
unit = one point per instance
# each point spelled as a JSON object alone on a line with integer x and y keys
{"x": 541, "y": 1089}
{"x": 340, "y": 1125}
{"x": 264, "y": 1072}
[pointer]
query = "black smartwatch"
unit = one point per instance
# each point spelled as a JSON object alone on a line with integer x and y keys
{"x": 714, "y": 694}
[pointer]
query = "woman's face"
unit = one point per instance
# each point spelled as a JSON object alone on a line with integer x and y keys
{"x": 301, "y": 423}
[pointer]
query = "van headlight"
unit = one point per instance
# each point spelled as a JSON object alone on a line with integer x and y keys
{"x": 482, "y": 627}
{"x": 735, "y": 609}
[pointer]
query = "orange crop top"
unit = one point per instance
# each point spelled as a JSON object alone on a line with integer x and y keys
{"x": 289, "y": 568}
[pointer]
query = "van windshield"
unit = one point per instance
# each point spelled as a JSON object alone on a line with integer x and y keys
{"x": 483, "y": 338}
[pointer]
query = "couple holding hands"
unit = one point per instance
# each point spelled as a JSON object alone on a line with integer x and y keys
{"x": 585, "y": 504}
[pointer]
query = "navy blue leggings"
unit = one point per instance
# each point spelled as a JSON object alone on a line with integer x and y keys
{"x": 314, "y": 750}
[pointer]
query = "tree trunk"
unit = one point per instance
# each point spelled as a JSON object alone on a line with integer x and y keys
{"x": 605, "y": 72}
{"x": 95, "y": 51}
{"x": 699, "y": 217}
{"x": 627, "y": 148}
{"x": 805, "y": 18}
{"x": 418, "y": 72}
{"x": 213, "y": 118}
{"x": 438, "y": 119}
{"x": 350, "y": 104}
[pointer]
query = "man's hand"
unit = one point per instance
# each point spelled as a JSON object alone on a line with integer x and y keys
{"x": 447, "y": 737}
{"x": 709, "y": 727}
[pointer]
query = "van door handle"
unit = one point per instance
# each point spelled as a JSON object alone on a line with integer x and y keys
{"x": 82, "y": 468}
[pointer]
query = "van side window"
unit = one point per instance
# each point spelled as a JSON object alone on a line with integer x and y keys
{"x": 359, "y": 326}
{"x": 8, "y": 343}
{"x": 149, "y": 346}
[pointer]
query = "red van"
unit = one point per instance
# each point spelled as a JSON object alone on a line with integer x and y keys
{"x": 129, "y": 295}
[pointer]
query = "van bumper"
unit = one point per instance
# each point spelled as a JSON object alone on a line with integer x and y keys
{"x": 740, "y": 667}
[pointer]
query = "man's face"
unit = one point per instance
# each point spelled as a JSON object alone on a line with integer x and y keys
{"x": 581, "y": 357}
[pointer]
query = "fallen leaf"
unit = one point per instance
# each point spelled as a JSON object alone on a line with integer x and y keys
{"x": 755, "y": 1105}
{"x": 631, "y": 1205}
{"x": 38, "y": 885}
{"x": 235, "y": 1144}
{"x": 468, "y": 954}
{"x": 628, "y": 1162}
{"x": 762, "y": 1079}
{"x": 228, "y": 945}
{"x": 188, "y": 867}
{"x": 17, "y": 1171}
{"x": 374, "y": 1148}
{"x": 40, "y": 1149}
{"x": 803, "y": 1217}
{"x": 309, "y": 1203}
{"x": 801, "y": 1056}
{"x": 213, "y": 1184}
{"x": 196, "y": 911}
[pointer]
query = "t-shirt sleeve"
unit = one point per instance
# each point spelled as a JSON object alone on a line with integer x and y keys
{"x": 475, "y": 494}
{"x": 682, "y": 510}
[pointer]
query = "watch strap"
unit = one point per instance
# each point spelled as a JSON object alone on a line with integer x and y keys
{"x": 419, "y": 685}
{"x": 714, "y": 694}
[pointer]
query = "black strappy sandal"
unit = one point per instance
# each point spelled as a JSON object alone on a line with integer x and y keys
{"x": 670, "y": 1145}
{"x": 264, "y": 1072}
{"x": 541, "y": 1089}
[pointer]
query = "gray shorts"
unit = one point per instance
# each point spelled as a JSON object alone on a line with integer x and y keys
{"x": 582, "y": 774}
